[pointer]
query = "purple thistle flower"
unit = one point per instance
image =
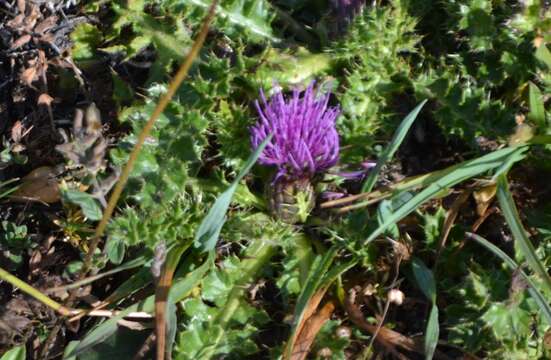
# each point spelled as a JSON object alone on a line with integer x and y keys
{"x": 347, "y": 9}
{"x": 305, "y": 140}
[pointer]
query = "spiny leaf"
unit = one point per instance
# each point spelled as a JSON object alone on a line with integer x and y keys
{"x": 252, "y": 15}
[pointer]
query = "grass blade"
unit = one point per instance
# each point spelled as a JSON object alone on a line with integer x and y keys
{"x": 10, "y": 190}
{"x": 162, "y": 308}
{"x": 139, "y": 261}
{"x": 455, "y": 175}
{"x": 209, "y": 230}
{"x": 532, "y": 289}
{"x": 425, "y": 280}
{"x": 395, "y": 143}
{"x": 544, "y": 55}
{"x": 512, "y": 217}
{"x": 537, "y": 111}
{"x": 432, "y": 333}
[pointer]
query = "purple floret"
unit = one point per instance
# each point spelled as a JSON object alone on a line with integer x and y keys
{"x": 347, "y": 9}
{"x": 305, "y": 140}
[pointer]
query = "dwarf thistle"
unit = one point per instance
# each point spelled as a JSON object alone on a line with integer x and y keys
{"x": 305, "y": 142}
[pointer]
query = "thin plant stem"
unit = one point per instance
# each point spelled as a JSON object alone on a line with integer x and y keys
{"x": 387, "y": 304}
{"x": 117, "y": 191}
{"x": 35, "y": 293}
{"x": 406, "y": 184}
{"x": 163, "y": 102}
{"x": 54, "y": 305}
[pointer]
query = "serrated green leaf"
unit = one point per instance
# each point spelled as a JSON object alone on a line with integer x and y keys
{"x": 432, "y": 225}
{"x": 252, "y": 15}
{"x": 86, "y": 39}
{"x": 115, "y": 249}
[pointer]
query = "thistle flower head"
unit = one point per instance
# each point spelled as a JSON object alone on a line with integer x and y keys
{"x": 305, "y": 140}
{"x": 347, "y": 9}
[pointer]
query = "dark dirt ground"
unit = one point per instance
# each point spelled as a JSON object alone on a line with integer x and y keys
{"x": 40, "y": 90}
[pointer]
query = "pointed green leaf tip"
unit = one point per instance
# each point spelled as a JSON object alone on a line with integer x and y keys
{"x": 209, "y": 230}
{"x": 395, "y": 143}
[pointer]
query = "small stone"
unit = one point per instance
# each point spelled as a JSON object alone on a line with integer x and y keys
{"x": 343, "y": 332}
{"x": 370, "y": 289}
{"x": 396, "y": 296}
{"x": 325, "y": 353}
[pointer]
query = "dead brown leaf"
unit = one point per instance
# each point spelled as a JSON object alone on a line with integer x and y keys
{"x": 45, "y": 99}
{"x": 311, "y": 308}
{"x": 309, "y": 331}
{"x": 16, "y": 22}
{"x": 39, "y": 185}
{"x": 45, "y": 25}
{"x": 18, "y": 132}
{"x": 29, "y": 75}
{"x": 483, "y": 218}
{"x": 22, "y": 40}
{"x": 484, "y": 197}
{"x": 31, "y": 18}
{"x": 547, "y": 339}
{"x": 21, "y": 6}
{"x": 451, "y": 215}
